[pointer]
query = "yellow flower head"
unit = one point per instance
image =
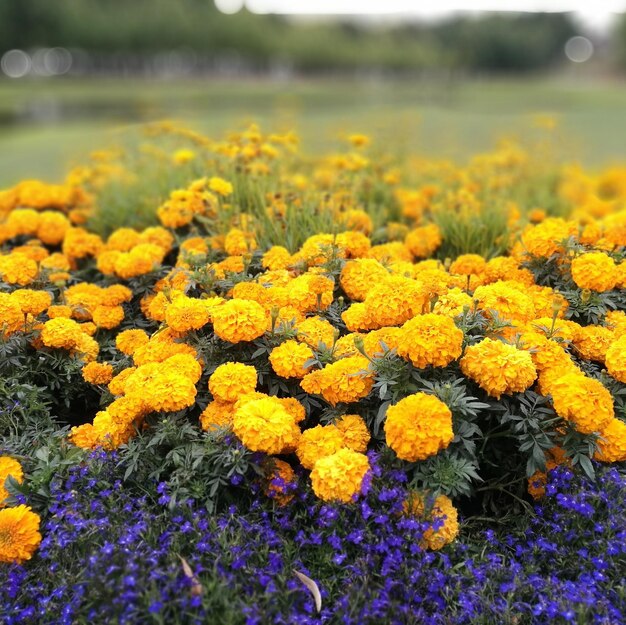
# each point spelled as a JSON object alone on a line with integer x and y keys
{"x": 239, "y": 320}
{"x": 346, "y": 380}
{"x": 129, "y": 340}
{"x": 443, "y": 516}
{"x": 288, "y": 359}
{"x": 339, "y": 477}
{"x": 9, "y": 466}
{"x": 583, "y": 401}
{"x": 430, "y": 339}
{"x": 319, "y": 442}
{"x": 19, "y": 534}
{"x": 232, "y": 380}
{"x": 356, "y": 434}
{"x": 616, "y": 359}
{"x": 498, "y": 367}
{"x": 612, "y": 442}
{"x": 264, "y": 425}
{"x": 418, "y": 426}
{"x": 185, "y": 314}
{"x": 98, "y": 373}
{"x": 595, "y": 271}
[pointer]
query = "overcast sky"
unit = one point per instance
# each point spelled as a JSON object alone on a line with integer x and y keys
{"x": 595, "y": 13}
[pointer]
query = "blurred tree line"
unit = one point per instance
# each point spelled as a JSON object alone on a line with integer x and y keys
{"x": 492, "y": 42}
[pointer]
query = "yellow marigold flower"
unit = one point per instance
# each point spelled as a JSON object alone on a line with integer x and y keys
{"x": 506, "y": 268}
{"x": 123, "y": 239}
{"x": 593, "y": 342}
{"x": 78, "y": 243}
{"x": 98, "y": 372}
{"x": 108, "y": 317}
{"x": 11, "y": 315}
{"x": 389, "y": 337}
{"x": 391, "y": 252}
{"x": 356, "y": 219}
{"x": 125, "y": 410}
{"x": 108, "y": 433}
{"x": 23, "y": 221}
{"x": 84, "y": 436}
{"x": 547, "y": 237}
{"x": 442, "y": 511}
{"x": 19, "y": 534}
{"x": 319, "y": 442}
{"x": 86, "y": 348}
{"x": 186, "y": 364}
{"x": 117, "y": 294}
{"x": 129, "y": 341}
{"x": 159, "y": 350}
{"x": 238, "y": 242}
{"x": 423, "y": 241}
{"x": 169, "y": 392}
{"x": 61, "y": 333}
{"x": 430, "y": 340}
{"x": 357, "y": 317}
{"x": 612, "y": 442}
{"x": 616, "y": 359}
{"x": 583, "y": 401}
{"x": 9, "y": 466}
{"x": 52, "y": 227}
{"x": 355, "y": 432}
{"x": 353, "y": 244}
{"x": 316, "y": 330}
{"x": 277, "y": 257}
{"x": 279, "y": 478}
{"x": 239, "y": 320}
{"x": 345, "y": 346}
{"x": 468, "y": 264}
{"x": 18, "y": 269}
{"x": 231, "y": 380}
{"x": 498, "y": 367}
{"x": 263, "y": 425}
{"x": 395, "y": 301}
{"x": 559, "y": 329}
{"x": 339, "y": 477}
{"x": 183, "y": 156}
{"x": 288, "y": 359}
{"x": 508, "y": 300}
{"x": 360, "y": 275}
{"x": 217, "y": 414}
{"x": 418, "y": 426}
{"x": 220, "y": 186}
{"x": 595, "y": 271}
{"x": 452, "y": 303}
{"x": 616, "y": 320}
{"x": 157, "y": 236}
{"x": 32, "y": 302}
{"x": 56, "y": 261}
{"x": 186, "y": 313}
{"x": 346, "y": 380}
{"x": 545, "y": 353}
{"x": 309, "y": 293}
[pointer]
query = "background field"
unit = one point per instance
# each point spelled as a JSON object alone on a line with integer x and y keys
{"x": 47, "y": 125}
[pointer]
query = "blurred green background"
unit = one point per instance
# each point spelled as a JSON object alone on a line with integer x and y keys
{"x": 444, "y": 88}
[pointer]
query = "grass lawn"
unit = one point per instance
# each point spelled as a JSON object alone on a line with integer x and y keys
{"x": 47, "y": 125}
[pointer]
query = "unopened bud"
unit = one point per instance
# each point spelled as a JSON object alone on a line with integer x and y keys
{"x": 585, "y": 296}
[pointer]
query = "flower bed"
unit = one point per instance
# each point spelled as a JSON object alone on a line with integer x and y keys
{"x": 373, "y": 345}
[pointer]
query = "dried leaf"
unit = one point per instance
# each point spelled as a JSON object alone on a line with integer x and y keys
{"x": 196, "y": 586}
{"x": 312, "y": 587}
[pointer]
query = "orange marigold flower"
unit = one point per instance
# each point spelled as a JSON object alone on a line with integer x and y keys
{"x": 595, "y": 271}
{"x": 19, "y": 534}
{"x": 97, "y": 373}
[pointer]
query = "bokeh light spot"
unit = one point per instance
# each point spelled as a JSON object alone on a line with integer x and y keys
{"x": 578, "y": 49}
